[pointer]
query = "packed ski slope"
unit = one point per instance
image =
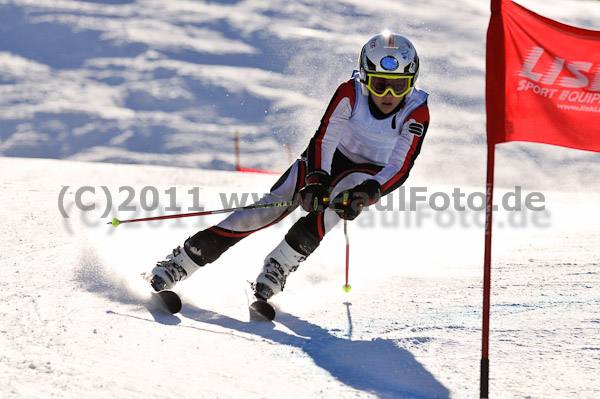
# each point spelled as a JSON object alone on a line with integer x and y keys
{"x": 163, "y": 86}
{"x": 77, "y": 320}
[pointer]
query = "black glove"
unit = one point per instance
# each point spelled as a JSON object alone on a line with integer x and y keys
{"x": 350, "y": 203}
{"x": 314, "y": 196}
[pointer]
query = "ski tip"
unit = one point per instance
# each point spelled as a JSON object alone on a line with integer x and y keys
{"x": 170, "y": 300}
{"x": 347, "y": 287}
{"x": 263, "y": 309}
{"x": 115, "y": 222}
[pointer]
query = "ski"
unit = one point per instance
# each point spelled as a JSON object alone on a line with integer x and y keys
{"x": 258, "y": 307}
{"x": 263, "y": 308}
{"x": 169, "y": 299}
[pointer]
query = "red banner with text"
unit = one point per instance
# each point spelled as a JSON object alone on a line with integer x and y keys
{"x": 542, "y": 80}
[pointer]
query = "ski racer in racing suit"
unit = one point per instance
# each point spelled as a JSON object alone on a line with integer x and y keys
{"x": 366, "y": 144}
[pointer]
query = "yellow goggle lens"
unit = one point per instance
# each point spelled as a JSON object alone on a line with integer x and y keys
{"x": 380, "y": 84}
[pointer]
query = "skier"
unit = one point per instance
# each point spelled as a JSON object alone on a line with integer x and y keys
{"x": 364, "y": 148}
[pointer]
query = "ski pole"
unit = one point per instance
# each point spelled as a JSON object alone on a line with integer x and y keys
{"x": 347, "y": 287}
{"x": 116, "y": 222}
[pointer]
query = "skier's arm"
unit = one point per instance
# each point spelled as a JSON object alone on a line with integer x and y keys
{"x": 323, "y": 144}
{"x": 314, "y": 196}
{"x": 406, "y": 150}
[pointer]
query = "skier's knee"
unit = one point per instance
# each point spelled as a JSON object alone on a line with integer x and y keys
{"x": 304, "y": 237}
{"x": 207, "y": 246}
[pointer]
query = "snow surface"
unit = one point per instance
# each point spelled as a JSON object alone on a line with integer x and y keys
{"x": 77, "y": 320}
{"x": 164, "y": 86}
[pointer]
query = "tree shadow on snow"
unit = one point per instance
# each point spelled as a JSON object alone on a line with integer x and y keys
{"x": 378, "y": 366}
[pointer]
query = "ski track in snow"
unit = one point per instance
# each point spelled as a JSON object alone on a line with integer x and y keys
{"x": 168, "y": 83}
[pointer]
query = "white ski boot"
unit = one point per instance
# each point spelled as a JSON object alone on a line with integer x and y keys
{"x": 278, "y": 265}
{"x": 176, "y": 267}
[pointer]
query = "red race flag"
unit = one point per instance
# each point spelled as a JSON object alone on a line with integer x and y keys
{"x": 542, "y": 81}
{"x": 543, "y": 86}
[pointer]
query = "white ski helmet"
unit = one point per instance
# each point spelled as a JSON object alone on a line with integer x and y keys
{"x": 388, "y": 63}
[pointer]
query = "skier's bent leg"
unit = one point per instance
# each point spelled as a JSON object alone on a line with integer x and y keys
{"x": 202, "y": 248}
{"x": 300, "y": 241}
{"x": 208, "y": 245}
{"x": 278, "y": 265}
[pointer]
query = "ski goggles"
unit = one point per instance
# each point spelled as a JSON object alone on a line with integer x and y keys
{"x": 381, "y": 84}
